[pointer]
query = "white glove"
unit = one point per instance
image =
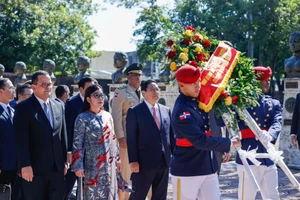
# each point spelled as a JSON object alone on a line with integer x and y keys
{"x": 265, "y": 137}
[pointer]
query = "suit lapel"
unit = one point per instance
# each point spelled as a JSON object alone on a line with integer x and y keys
{"x": 54, "y": 111}
{"x": 5, "y": 114}
{"x": 40, "y": 110}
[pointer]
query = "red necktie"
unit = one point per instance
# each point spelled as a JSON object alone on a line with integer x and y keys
{"x": 155, "y": 118}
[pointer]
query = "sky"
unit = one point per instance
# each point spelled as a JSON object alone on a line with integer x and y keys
{"x": 115, "y": 27}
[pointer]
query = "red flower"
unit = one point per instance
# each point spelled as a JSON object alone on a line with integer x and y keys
{"x": 197, "y": 38}
{"x": 201, "y": 56}
{"x": 206, "y": 43}
{"x": 170, "y": 43}
{"x": 194, "y": 63}
{"x": 223, "y": 95}
{"x": 235, "y": 99}
{"x": 190, "y": 28}
{"x": 171, "y": 54}
{"x": 186, "y": 42}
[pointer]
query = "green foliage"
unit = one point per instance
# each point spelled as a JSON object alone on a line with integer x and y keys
{"x": 32, "y": 31}
{"x": 242, "y": 90}
{"x": 151, "y": 23}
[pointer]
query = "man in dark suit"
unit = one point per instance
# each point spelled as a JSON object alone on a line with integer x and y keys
{"x": 8, "y": 161}
{"x": 23, "y": 92}
{"x": 150, "y": 143}
{"x": 41, "y": 141}
{"x": 72, "y": 109}
{"x": 62, "y": 93}
{"x": 295, "y": 127}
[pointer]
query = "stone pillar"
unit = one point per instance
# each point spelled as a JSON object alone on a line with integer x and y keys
{"x": 291, "y": 154}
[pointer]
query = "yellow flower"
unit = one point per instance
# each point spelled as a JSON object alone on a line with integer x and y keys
{"x": 173, "y": 66}
{"x": 198, "y": 48}
{"x": 228, "y": 101}
{"x": 184, "y": 57}
{"x": 185, "y": 50}
{"x": 207, "y": 55}
{"x": 188, "y": 33}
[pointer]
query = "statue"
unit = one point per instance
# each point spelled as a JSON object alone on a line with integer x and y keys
{"x": 20, "y": 69}
{"x": 83, "y": 63}
{"x": 2, "y": 69}
{"x": 49, "y": 66}
{"x": 120, "y": 61}
{"x": 292, "y": 64}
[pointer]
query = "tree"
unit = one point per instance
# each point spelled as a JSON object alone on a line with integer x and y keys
{"x": 31, "y": 31}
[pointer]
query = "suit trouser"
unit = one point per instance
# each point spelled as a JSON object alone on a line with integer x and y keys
{"x": 267, "y": 179}
{"x": 70, "y": 182}
{"x": 10, "y": 177}
{"x": 204, "y": 187}
{"x": 145, "y": 178}
{"x": 50, "y": 186}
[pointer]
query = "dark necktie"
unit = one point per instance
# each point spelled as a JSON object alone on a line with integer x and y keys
{"x": 9, "y": 110}
{"x": 138, "y": 93}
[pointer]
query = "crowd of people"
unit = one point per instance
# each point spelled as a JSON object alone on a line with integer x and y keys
{"x": 48, "y": 144}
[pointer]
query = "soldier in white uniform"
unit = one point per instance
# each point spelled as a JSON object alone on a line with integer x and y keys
{"x": 124, "y": 98}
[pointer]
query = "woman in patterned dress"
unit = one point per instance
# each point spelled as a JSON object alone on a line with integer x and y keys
{"x": 95, "y": 150}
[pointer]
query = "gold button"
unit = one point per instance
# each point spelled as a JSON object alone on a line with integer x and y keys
{"x": 265, "y": 125}
{"x": 259, "y": 125}
{"x": 266, "y": 120}
{"x": 269, "y": 109}
{"x": 268, "y": 115}
{"x": 256, "y": 119}
{"x": 254, "y": 113}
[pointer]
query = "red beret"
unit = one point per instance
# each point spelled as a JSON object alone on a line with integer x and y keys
{"x": 262, "y": 73}
{"x": 188, "y": 74}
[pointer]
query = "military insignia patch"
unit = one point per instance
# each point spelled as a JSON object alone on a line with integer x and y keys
{"x": 185, "y": 115}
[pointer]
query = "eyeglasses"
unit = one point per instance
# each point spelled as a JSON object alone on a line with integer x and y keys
{"x": 11, "y": 88}
{"x": 154, "y": 89}
{"x": 98, "y": 96}
{"x": 45, "y": 85}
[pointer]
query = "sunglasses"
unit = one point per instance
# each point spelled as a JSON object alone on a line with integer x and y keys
{"x": 45, "y": 85}
{"x": 98, "y": 96}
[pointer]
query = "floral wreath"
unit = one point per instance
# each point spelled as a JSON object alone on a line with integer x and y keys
{"x": 242, "y": 90}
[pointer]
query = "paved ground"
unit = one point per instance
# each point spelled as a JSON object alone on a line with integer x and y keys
{"x": 229, "y": 184}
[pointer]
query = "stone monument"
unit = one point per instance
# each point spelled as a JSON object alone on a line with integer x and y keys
{"x": 291, "y": 89}
{"x": 49, "y": 66}
{"x": 83, "y": 63}
{"x": 20, "y": 69}
{"x": 292, "y": 64}
{"x": 2, "y": 70}
{"x": 120, "y": 61}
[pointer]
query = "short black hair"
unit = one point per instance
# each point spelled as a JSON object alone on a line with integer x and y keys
{"x": 84, "y": 80}
{"x": 61, "y": 90}
{"x": 3, "y": 82}
{"x": 35, "y": 76}
{"x": 21, "y": 89}
{"x": 145, "y": 84}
